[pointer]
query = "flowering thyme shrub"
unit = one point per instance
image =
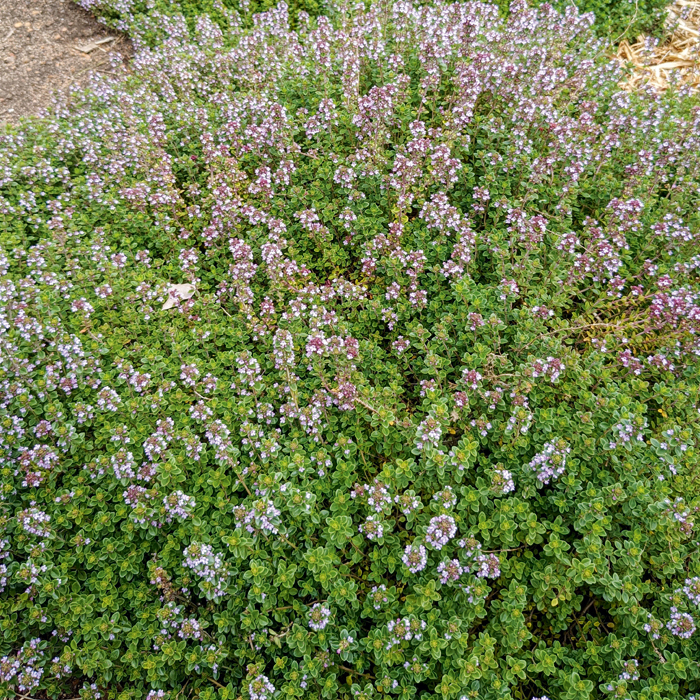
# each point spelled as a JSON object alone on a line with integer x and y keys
{"x": 420, "y": 419}
{"x": 142, "y": 19}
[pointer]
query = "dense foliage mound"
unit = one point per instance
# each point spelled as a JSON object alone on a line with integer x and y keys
{"x": 419, "y": 418}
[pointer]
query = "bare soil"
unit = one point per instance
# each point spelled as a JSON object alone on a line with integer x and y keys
{"x": 45, "y": 46}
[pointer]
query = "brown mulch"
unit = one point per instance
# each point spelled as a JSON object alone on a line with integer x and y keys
{"x": 48, "y": 45}
{"x": 676, "y": 58}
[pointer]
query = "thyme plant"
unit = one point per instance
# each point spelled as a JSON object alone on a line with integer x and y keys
{"x": 358, "y": 361}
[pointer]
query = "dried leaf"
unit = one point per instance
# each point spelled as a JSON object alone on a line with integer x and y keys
{"x": 87, "y": 48}
{"x": 178, "y": 292}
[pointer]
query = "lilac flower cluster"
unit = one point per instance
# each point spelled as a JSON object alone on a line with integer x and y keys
{"x": 692, "y": 590}
{"x": 4, "y": 575}
{"x": 29, "y": 572}
{"x": 509, "y": 288}
{"x": 319, "y": 617}
{"x": 175, "y": 625}
{"x": 450, "y": 571}
{"x": 671, "y": 448}
{"x": 400, "y": 345}
{"x": 378, "y": 596}
{"x": 428, "y": 433}
{"x": 416, "y": 667}
{"x": 35, "y": 522}
{"x": 521, "y": 418}
{"x": 189, "y": 374}
{"x": 627, "y": 431}
{"x": 404, "y": 629}
{"x": 123, "y": 465}
{"x": 376, "y": 495}
{"x": 263, "y": 516}
{"x": 681, "y": 624}
{"x": 408, "y": 503}
{"x": 482, "y": 425}
{"x": 441, "y": 529}
{"x": 415, "y": 558}
{"x": 139, "y": 381}
{"x": 156, "y": 695}
{"x": 26, "y": 668}
{"x": 90, "y": 692}
{"x": 551, "y": 368}
{"x": 488, "y": 566}
{"x": 35, "y": 463}
{"x": 141, "y": 501}
{"x": 283, "y": 344}
{"x": 470, "y": 545}
{"x": 210, "y": 567}
{"x": 200, "y": 411}
{"x": 248, "y": 374}
{"x": 373, "y": 528}
{"x": 108, "y": 400}
{"x": 502, "y": 481}
{"x": 193, "y": 446}
{"x": 471, "y": 378}
{"x": 344, "y": 644}
{"x": 681, "y": 513}
{"x": 260, "y": 688}
{"x": 630, "y": 670}
{"x": 652, "y": 626}
{"x": 446, "y": 498}
{"x": 550, "y": 464}
{"x": 219, "y": 436}
{"x": 157, "y": 443}
{"x": 178, "y": 505}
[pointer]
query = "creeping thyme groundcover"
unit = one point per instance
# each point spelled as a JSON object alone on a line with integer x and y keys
{"x": 419, "y": 418}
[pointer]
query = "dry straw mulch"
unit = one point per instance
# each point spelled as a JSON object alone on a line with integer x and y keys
{"x": 676, "y": 58}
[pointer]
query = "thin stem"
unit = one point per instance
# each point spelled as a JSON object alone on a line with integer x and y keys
{"x": 26, "y": 697}
{"x": 359, "y": 551}
{"x": 357, "y": 673}
{"x": 293, "y": 546}
{"x": 241, "y": 481}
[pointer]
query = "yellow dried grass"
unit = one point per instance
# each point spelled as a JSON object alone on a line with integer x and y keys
{"x": 675, "y": 58}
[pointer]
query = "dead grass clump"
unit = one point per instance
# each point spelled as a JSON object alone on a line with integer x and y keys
{"x": 676, "y": 58}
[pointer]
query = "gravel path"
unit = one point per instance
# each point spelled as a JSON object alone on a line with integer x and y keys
{"x": 47, "y": 45}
